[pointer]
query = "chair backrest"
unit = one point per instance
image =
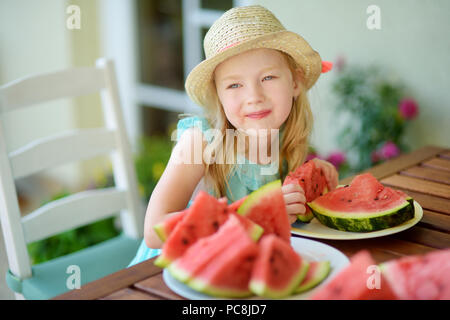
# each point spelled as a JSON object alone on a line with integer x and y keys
{"x": 80, "y": 208}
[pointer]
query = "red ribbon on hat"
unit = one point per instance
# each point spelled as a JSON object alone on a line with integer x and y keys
{"x": 326, "y": 66}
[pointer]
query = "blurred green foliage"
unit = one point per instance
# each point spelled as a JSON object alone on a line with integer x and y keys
{"x": 151, "y": 160}
{"x": 371, "y": 100}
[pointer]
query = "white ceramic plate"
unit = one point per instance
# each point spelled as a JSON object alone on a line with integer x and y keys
{"x": 308, "y": 249}
{"x": 315, "y": 229}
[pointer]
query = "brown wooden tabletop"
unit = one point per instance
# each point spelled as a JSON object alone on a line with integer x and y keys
{"x": 423, "y": 174}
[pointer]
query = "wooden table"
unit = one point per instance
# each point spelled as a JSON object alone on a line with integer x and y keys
{"x": 424, "y": 174}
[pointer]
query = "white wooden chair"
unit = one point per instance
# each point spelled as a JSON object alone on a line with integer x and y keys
{"x": 48, "y": 279}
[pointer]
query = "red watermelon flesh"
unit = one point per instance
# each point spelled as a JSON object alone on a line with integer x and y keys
{"x": 278, "y": 270}
{"x": 227, "y": 273}
{"x": 420, "y": 277}
{"x": 204, "y": 218}
{"x": 266, "y": 207}
{"x": 164, "y": 228}
{"x": 351, "y": 283}
{"x": 313, "y": 182}
{"x": 206, "y": 249}
{"x": 365, "y": 194}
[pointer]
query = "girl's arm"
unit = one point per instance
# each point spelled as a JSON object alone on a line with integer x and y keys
{"x": 176, "y": 185}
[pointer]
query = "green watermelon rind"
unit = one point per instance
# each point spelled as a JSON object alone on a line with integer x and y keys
{"x": 256, "y": 232}
{"x": 364, "y": 222}
{"x": 162, "y": 261}
{"x": 159, "y": 229}
{"x": 256, "y": 196}
{"x": 260, "y": 288}
{"x": 305, "y": 218}
{"x": 178, "y": 273}
{"x": 323, "y": 270}
{"x": 202, "y": 286}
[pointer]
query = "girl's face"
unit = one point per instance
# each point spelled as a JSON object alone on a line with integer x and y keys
{"x": 256, "y": 89}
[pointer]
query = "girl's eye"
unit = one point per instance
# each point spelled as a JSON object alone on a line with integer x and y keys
{"x": 233, "y": 86}
{"x": 268, "y": 78}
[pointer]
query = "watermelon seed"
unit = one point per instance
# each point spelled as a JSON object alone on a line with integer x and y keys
{"x": 185, "y": 241}
{"x": 216, "y": 225}
{"x": 303, "y": 180}
{"x": 349, "y": 200}
{"x": 376, "y": 199}
{"x": 346, "y": 186}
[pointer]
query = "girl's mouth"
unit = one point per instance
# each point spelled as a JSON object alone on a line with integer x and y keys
{"x": 259, "y": 114}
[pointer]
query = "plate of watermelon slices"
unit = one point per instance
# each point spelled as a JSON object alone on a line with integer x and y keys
{"x": 316, "y": 229}
{"x": 363, "y": 209}
{"x": 310, "y": 250}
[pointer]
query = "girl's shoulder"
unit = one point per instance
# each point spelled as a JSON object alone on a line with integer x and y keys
{"x": 194, "y": 121}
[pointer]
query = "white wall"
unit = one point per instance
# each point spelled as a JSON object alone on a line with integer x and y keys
{"x": 33, "y": 40}
{"x": 413, "y": 43}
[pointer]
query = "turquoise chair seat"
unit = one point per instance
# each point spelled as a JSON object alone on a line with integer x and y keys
{"x": 49, "y": 279}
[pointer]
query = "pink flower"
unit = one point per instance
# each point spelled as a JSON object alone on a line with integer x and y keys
{"x": 408, "y": 108}
{"x": 336, "y": 158}
{"x": 389, "y": 150}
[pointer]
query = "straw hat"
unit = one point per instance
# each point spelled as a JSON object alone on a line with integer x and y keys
{"x": 241, "y": 29}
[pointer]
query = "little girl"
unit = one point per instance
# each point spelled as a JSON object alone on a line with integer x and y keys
{"x": 255, "y": 78}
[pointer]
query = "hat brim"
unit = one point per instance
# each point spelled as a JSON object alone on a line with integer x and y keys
{"x": 197, "y": 82}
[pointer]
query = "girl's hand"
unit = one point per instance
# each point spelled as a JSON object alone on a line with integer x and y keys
{"x": 330, "y": 172}
{"x": 294, "y": 197}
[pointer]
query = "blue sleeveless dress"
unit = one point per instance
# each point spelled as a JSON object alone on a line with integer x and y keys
{"x": 244, "y": 179}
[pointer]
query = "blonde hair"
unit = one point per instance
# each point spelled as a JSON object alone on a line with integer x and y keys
{"x": 294, "y": 146}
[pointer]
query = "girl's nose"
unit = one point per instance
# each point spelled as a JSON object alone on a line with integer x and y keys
{"x": 255, "y": 94}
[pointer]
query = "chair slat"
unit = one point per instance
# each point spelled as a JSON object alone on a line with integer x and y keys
{"x": 51, "y": 151}
{"x": 64, "y": 84}
{"x": 72, "y": 211}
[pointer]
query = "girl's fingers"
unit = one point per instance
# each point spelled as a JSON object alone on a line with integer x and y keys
{"x": 292, "y": 187}
{"x": 294, "y": 197}
{"x": 292, "y": 218}
{"x": 295, "y": 208}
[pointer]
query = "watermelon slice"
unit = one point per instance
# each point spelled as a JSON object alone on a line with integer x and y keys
{"x": 317, "y": 272}
{"x": 313, "y": 183}
{"x": 225, "y": 272}
{"x": 351, "y": 283}
{"x": 266, "y": 207}
{"x": 420, "y": 277}
{"x": 164, "y": 228}
{"x": 278, "y": 269}
{"x": 205, "y": 249}
{"x": 204, "y": 218}
{"x": 363, "y": 206}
